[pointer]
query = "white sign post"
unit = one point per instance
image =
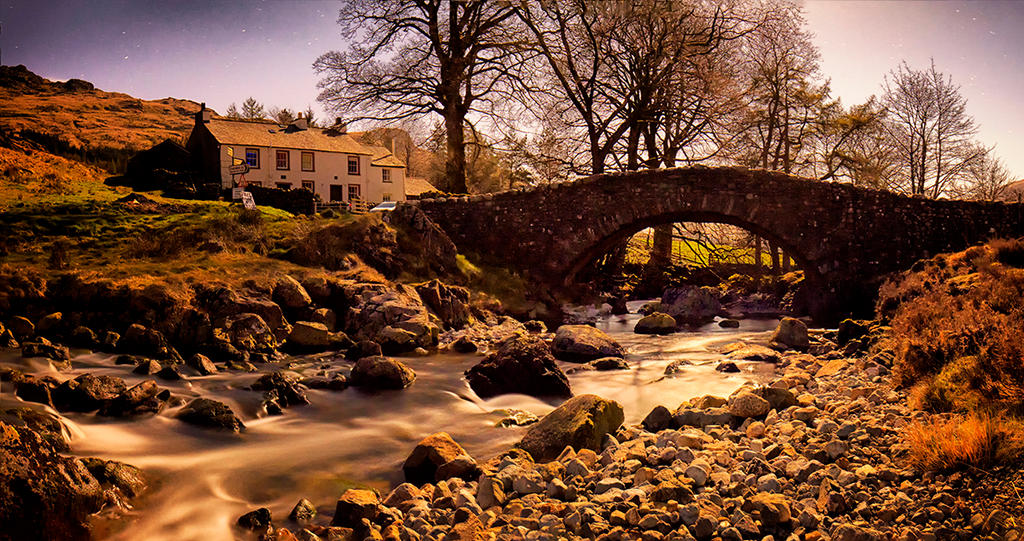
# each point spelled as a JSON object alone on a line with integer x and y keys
{"x": 247, "y": 201}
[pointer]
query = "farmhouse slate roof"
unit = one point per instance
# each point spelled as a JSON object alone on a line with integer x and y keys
{"x": 270, "y": 134}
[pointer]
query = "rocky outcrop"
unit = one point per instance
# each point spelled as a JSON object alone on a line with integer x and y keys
{"x": 691, "y": 305}
{"x": 373, "y": 307}
{"x": 449, "y": 303}
{"x": 583, "y": 343}
{"x": 44, "y": 495}
{"x": 581, "y": 423}
{"x": 380, "y": 373}
{"x": 522, "y": 364}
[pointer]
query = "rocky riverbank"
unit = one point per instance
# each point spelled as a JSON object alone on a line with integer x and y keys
{"x": 816, "y": 454}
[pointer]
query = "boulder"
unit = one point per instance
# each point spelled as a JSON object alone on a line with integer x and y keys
{"x": 755, "y": 353}
{"x": 464, "y": 345}
{"x": 21, "y": 327}
{"x": 355, "y": 505}
{"x": 729, "y": 324}
{"x": 581, "y": 423}
{"x": 656, "y": 323}
{"x": 381, "y": 373}
{"x": 523, "y": 364}
{"x": 42, "y": 347}
{"x": 852, "y": 329}
{"x": 303, "y": 513}
{"x": 35, "y": 389}
{"x": 284, "y": 388}
{"x": 50, "y": 324}
{"x": 658, "y": 419}
{"x": 202, "y": 364}
{"x": 583, "y": 343}
{"x": 395, "y": 341}
{"x": 309, "y": 336}
{"x": 791, "y": 334}
{"x": 209, "y": 413}
{"x": 289, "y": 293}
{"x": 691, "y": 305}
{"x": 145, "y": 341}
{"x": 141, "y": 399}
{"x": 747, "y": 404}
{"x": 363, "y": 348}
{"x": 87, "y": 392}
{"x": 83, "y": 337}
{"x": 609, "y": 363}
{"x": 431, "y": 453}
{"x": 248, "y": 332}
{"x": 147, "y": 367}
{"x": 257, "y": 521}
{"x": 125, "y": 477}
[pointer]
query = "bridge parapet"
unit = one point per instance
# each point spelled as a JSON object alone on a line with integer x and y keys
{"x": 845, "y": 238}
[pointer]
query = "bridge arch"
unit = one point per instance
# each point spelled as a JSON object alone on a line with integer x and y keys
{"x": 845, "y": 238}
{"x": 589, "y": 254}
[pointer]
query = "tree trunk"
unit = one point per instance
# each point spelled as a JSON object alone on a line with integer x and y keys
{"x": 775, "y": 260}
{"x": 455, "y": 166}
{"x": 757, "y": 259}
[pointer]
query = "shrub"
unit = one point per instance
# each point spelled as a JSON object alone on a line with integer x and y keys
{"x": 977, "y": 440}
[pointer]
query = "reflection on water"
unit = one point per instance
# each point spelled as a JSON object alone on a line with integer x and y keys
{"x": 204, "y": 480}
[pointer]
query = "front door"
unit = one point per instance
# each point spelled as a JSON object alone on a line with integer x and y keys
{"x": 337, "y": 192}
{"x": 353, "y": 192}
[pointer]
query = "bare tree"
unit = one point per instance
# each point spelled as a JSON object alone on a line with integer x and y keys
{"x": 985, "y": 179}
{"x": 930, "y": 128}
{"x": 410, "y": 58}
{"x": 232, "y": 112}
{"x": 784, "y": 89}
{"x": 282, "y": 115}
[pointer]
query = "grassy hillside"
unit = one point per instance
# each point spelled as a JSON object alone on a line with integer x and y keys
{"x": 87, "y": 118}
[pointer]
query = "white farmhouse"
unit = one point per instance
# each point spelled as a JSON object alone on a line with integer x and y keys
{"x": 328, "y": 162}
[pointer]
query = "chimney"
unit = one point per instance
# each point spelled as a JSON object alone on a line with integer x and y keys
{"x": 203, "y": 116}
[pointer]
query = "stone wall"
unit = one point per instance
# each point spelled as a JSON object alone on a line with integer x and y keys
{"x": 845, "y": 238}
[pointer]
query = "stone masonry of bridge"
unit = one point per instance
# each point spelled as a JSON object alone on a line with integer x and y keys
{"x": 847, "y": 239}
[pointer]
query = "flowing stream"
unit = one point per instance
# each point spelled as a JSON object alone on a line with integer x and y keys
{"x": 201, "y": 480}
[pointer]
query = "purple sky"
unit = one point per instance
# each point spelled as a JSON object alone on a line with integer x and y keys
{"x": 223, "y": 51}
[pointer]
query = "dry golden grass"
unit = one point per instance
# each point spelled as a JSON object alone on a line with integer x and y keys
{"x": 977, "y": 440}
{"x": 95, "y": 118}
{"x": 956, "y": 324}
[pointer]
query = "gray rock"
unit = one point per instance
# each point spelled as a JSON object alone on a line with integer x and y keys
{"x": 583, "y": 343}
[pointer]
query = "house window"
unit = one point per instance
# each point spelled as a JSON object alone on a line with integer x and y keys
{"x": 385, "y": 197}
{"x": 353, "y": 165}
{"x": 307, "y": 161}
{"x": 307, "y": 185}
{"x": 353, "y": 192}
{"x": 386, "y": 175}
{"x": 282, "y": 159}
{"x": 252, "y": 157}
{"x": 284, "y": 185}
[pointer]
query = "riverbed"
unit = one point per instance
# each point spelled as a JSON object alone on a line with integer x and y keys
{"x": 201, "y": 480}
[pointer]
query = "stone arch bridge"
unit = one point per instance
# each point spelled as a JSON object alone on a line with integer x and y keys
{"x": 846, "y": 239}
